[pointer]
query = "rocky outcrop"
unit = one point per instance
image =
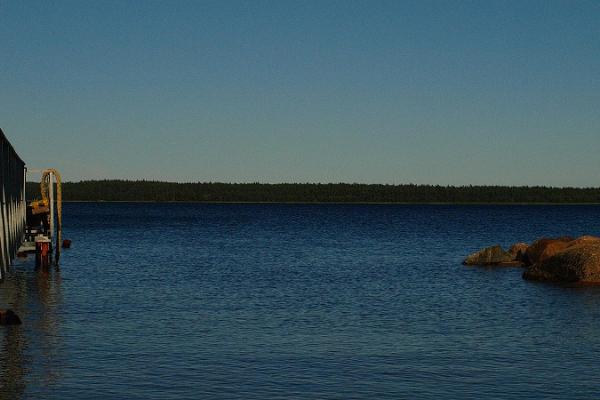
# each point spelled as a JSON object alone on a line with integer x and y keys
{"x": 494, "y": 255}
{"x": 562, "y": 259}
{"x": 577, "y": 262}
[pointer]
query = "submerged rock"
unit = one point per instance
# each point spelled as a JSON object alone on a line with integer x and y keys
{"x": 579, "y": 262}
{"x": 494, "y": 255}
{"x": 8, "y": 317}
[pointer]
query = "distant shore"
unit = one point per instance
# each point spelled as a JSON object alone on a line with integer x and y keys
{"x": 316, "y": 193}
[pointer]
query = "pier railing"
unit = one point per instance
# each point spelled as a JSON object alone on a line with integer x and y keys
{"x": 12, "y": 201}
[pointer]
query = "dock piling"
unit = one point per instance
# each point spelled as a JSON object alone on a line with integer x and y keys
{"x": 43, "y": 252}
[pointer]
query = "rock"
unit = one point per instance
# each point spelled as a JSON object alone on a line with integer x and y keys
{"x": 579, "y": 262}
{"x": 584, "y": 239}
{"x": 518, "y": 251}
{"x": 8, "y": 317}
{"x": 544, "y": 248}
{"x": 494, "y": 255}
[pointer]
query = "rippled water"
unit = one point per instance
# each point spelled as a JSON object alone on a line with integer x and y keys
{"x": 175, "y": 301}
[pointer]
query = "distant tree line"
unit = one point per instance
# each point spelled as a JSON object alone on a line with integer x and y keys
{"x": 123, "y": 190}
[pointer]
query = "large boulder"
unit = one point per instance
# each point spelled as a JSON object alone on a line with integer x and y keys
{"x": 544, "y": 248}
{"x": 577, "y": 262}
{"x": 494, "y": 255}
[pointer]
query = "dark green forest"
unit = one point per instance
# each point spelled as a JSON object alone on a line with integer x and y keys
{"x": 122, "y": 190}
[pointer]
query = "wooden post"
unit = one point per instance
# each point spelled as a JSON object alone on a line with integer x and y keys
{"x": 42, "y": 252}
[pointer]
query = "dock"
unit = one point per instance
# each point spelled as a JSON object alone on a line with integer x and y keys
{"x": 27, "y": 228}
{"x": 13, "y": 209}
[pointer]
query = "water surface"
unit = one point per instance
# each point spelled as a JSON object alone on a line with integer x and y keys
{"x": 189, "y": 301}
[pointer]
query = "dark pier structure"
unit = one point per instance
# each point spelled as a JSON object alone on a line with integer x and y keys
{"x": 13, "y": 206}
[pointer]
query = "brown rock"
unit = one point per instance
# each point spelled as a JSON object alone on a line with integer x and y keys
{"x": 584, "y": 239}
{"x": 494, "y": 255}
{"x": 577, "y": 263}
{"x": 544, "y": 248}
{"x": 518, "y": 251}
{"x": 8, "y": 317}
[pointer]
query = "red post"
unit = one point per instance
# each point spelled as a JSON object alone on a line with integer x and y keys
{"x": 42, "y": 252}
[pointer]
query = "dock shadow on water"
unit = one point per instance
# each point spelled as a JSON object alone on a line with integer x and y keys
{"x": 30, "y": 353}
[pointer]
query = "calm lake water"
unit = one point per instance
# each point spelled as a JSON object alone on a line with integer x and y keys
{"x": 191, "y": 301}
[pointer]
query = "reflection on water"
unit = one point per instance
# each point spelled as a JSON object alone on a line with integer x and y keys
{"x": 30, "y": 351}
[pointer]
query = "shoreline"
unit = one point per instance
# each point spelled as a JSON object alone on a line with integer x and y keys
{"x": 308, "y": 193}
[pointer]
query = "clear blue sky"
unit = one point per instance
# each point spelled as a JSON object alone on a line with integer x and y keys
{"x": 440, "y": 92}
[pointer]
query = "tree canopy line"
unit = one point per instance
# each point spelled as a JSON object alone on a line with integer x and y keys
{"x": 142, "y": 190}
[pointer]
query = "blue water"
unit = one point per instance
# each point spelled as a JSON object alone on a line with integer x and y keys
{"x": 176, "y": 301}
